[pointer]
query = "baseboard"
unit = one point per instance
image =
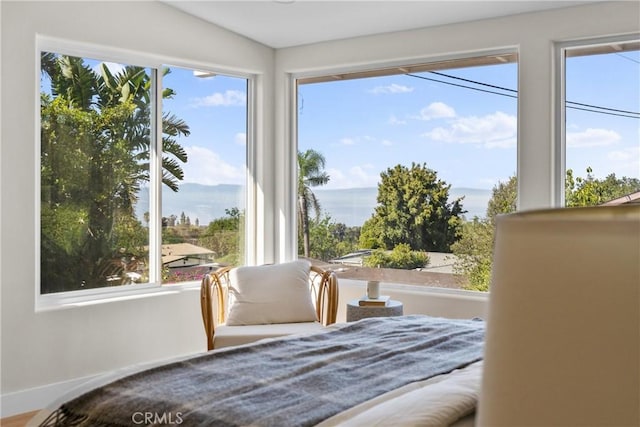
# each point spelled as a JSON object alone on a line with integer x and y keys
{"x": 36, "y": 398}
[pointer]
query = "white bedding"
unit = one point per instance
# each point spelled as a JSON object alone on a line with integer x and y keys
{"x": 444, "y": 400}
{"x": 438, "y": 401}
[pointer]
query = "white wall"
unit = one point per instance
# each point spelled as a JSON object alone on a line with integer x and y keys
{"x": 54, "y": 346}
{"x": 39, "y": 349}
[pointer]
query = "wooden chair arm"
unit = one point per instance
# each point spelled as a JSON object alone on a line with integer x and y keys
{"x": 327, "y": 296}
{"x": 213, "y": 283}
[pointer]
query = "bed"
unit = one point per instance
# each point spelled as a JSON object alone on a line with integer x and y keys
{"x": 401, "y": 371}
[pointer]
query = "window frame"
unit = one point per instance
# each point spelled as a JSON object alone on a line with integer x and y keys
{"x": 289, "y": 204}
{"x": 60, "y": 300}
{"x": 559, "y": 165}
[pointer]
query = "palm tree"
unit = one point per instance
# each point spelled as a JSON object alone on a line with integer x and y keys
{"x": 310, "y": 174}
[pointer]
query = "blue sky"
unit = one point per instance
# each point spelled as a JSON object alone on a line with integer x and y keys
{"x": 215, "y": 110}
{"x": 365, "y": 126}
{"x": 605, "y": 142}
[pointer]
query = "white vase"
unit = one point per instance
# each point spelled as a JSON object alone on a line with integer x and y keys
{"x": 373, "y": 289}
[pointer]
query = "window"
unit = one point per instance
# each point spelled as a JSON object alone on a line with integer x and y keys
{"x": 405, "y": 168}
{"x": 112, "y": 211}
{"x": 601, "y": 130}
{"x": 203, "y": 222}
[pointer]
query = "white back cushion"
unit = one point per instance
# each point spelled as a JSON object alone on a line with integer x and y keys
{"x": 266, "y": 294}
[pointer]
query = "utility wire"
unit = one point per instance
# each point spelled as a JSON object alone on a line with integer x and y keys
{"x": 473, "y": 81}
{"x": 570, "y": 104}
{"x": 602, "y": 108}
{"x": 603, "y": 112}
{"x": 627, "y": 58}
{"x": 462, "y": 86}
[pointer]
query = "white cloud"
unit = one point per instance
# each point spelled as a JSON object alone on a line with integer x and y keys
{"x": 356, "y": 176}
{"x": 241, "y": 138}
{"x": 629, "y": 153}
{"x": 592, "y": 138}
{"x": 390, "y": 89}
{"x": 625, "y": 162}
{"x": 387, "y": 143}
{"x": 207, "y": 167}
{"x": 436, "y": 110}
{"x": 227, "y": 99}
{"x": 498, "y": 130}
{"x": 353, "y": 140}
{"x": 393, "y": 120}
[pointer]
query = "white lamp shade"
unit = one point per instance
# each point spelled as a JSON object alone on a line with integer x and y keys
{"x": 563, "y": 330}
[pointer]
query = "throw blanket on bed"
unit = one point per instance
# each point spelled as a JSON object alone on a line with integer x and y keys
{"x": 292, "y": 381}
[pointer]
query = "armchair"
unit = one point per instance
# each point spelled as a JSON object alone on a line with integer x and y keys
{"x": 244, "y": 304}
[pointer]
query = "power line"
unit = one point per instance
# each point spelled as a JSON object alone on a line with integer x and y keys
{"x": 602, "y": 108}
{"x": 604, "y": 112}
{"x": 474, "y": 81}
{"x": 462, "y": 86}
{"x": 627, "y": 58}
{"x": 570, "y": 104}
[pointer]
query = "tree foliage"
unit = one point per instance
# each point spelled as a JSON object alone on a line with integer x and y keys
{"x": 474, "y": 249}
{"x": 223, "y": 237}
{"x": 414, "y": 209}
{"x": 589, "y": 191}
{"x": 401, "y": 257}
{"x": 329, "y": 240}
{"x": 504, "y": 197}
{"x": 95, "y": 145}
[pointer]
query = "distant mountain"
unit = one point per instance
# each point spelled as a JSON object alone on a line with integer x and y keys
{"x": 204, "y": 202}
{"x": 351, "y": 206}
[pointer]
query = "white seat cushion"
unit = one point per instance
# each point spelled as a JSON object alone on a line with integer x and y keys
{"x": 226, "y": 336}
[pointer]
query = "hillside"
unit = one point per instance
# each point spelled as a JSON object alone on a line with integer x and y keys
{"x": 350, "y": 206}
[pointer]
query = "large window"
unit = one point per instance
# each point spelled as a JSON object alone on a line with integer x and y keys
{"x": 401, "y": 170}
{"x": 142, "y": 173}
{"x": 602, "y": 122}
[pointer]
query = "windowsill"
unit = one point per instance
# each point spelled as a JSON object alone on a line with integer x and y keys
{"x": 418, "y": 289}
{"x": 65, "y": 300}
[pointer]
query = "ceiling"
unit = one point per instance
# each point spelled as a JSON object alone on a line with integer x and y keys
{"x": 287, "y": 23}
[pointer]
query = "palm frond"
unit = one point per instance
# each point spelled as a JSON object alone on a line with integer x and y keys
{"x": 172, "y": 147}
{"x": 172, "y": 125}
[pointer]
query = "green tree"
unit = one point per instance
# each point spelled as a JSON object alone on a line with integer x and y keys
{"x": 590, "y": 191}
{"x": 474, "y": 249}
{"x": 311, "y": 173}
{"x": 370, "y": 236}
{"x": 329, "y": 240}
{"x": 401, "y": 257}
{"x": 474, "y": 254}
{"x": 413, "y": 208}
{"x": 222, "y": 236}
{"x": 95, "y": 142}
{"x": 504, "y": 198}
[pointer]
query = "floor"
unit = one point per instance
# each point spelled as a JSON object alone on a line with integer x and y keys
{"x": 19, "y": 420}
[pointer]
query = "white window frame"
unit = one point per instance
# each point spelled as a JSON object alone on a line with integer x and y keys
{"x": 559, "y": 154}
{"x": 61, "y": 300}
{"x": 289, "y": 202}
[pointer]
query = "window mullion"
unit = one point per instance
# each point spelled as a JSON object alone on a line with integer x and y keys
{"x": 155, "y": 180}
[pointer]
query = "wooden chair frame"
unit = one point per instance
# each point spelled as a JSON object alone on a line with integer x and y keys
{"x": 323, "y": 287}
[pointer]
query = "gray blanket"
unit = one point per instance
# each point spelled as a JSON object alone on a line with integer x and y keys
{"x": 294, "y": 381}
